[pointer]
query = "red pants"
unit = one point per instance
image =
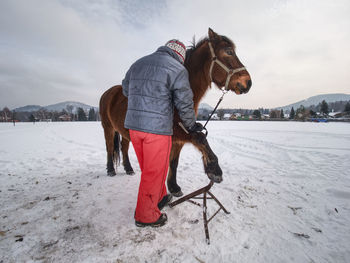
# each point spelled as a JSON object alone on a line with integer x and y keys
{"x": 152, "y": 151}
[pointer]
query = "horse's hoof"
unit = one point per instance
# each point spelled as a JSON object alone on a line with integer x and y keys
{"x": 215, "y": 178}
{"x": 130, "y": 172}
{"x": 111, "y": 173}
{"x": 178, "y": 194}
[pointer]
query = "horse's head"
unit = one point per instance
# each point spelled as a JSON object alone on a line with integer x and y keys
{"x": 225, "y": 68}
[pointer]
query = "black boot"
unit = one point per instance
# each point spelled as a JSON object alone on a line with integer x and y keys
{"x": 160, "y": 222}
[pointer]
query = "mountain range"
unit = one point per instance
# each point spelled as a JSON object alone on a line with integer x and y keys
{"x": 57, "y": 107}
{"x": 315, "y": 100}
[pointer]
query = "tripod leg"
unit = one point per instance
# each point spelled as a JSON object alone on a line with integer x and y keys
{"x": 218, "y": 202}
{"x": 189, "y": 196}
{"x": 205, "y": 218}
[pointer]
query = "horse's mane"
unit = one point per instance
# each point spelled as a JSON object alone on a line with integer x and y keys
{"x": 194, "y": 46}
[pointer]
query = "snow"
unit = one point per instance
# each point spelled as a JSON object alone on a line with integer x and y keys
{"x": 286, "y": 185}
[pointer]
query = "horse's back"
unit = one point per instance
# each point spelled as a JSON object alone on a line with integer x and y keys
{"x": 108, "y": 96}
{"x": 113, "y": 106}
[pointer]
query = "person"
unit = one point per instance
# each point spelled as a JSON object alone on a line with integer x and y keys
{"x": 154, "y": 85}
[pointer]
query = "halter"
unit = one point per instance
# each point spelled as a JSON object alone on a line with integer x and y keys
{"x": 230, "y": 72}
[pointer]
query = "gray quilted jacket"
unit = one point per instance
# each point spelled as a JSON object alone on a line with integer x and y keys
{"x": 155, "y": 84}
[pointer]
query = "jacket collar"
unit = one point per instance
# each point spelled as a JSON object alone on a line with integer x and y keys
{"x": 165, "y": 49}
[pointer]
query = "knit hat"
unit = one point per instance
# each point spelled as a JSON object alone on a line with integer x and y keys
{"x": 178, "y": 47}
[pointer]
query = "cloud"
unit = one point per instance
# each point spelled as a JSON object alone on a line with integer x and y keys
{"x": 55, "y": 50}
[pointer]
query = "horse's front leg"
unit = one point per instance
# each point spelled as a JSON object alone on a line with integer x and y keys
{"x": 173, "y": 187}
{"x": 210, "y": 160}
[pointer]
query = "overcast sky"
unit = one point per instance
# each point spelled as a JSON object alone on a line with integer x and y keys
{"x": 57, "y": 50}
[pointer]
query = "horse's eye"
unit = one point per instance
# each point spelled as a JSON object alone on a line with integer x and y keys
{"x": 229, "y": 52}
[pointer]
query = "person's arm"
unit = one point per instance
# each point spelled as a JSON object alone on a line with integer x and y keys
{"x": 125, "y": 84}
{"x": 183, "y": 99}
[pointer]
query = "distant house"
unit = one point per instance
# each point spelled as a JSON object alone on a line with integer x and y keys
{"x": 65, "y": 117}
{"x": 215, "y": 117}
{"x": 226, "y": 116}
{"x": 334, "y": 114}
{"x": 235, "y": 116}
{"x": 3, "y": 119}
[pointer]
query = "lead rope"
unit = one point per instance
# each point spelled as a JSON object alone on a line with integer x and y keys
{"x": 217, "y": 105}
{"x": 211, "y": 114}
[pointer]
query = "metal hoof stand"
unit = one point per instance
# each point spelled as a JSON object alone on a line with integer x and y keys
{"x": 205, "y": 191}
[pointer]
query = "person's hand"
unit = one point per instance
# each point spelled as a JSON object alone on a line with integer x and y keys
{"x": 197, "y": 127}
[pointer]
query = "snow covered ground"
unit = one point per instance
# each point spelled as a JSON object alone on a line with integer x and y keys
{"x": 286, "y": 184}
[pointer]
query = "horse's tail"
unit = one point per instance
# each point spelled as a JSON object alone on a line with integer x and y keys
{"x": 116, "y": 152}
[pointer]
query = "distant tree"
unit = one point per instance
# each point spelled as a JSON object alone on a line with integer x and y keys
{"x": 6, "y": 114}
{"x": 92, "y": 114}
{"x": 69, "y": 108}
{"x": 98, "y": 117}
{"x": 43, "y": 113}
{"x": 257, "y": 114}
{"x": 273, "y": 114}
{"x": 81, "y": 115}
{"x": 31, "y": 118}
{"x": 324, "y": 107}
{"x": 282, "y": 114}
{"x": 312, "y": 113}
{"x": 55, "y": 116}
{"x": 22, "y": 116}
{"x": 347, "y": 107}
{"x": 69, "y": 111}
{"x": 292, "y": 114}
{"x": 300, "y": 112}
{"x": 220, "y": 113}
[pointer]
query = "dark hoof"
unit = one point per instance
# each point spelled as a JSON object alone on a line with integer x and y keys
{"x": 178, "y": 194}
{"x": 215, "y": 178}
{"x": 165, "y": 201}
{"x": 130, "y": 172}
{"x": 111, "y": 173}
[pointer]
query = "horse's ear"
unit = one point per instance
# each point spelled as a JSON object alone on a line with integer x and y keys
{"x": 212, "y": 35}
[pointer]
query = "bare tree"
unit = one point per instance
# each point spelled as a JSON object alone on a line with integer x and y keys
{"x": 69, "y": 108}
{"x": 7, "y": 114}
{"x": 220, "y": 113}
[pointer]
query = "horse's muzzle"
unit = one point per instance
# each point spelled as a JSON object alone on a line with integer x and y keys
{"x": 244, "y": 89}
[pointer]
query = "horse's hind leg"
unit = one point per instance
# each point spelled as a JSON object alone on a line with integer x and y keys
{"x": 109, "y": 137}
{"x": 173, "y": 187}
{"x": 126, "y": 162}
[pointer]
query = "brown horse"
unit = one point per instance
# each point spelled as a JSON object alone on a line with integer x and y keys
{"x": 213, "y": 59}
